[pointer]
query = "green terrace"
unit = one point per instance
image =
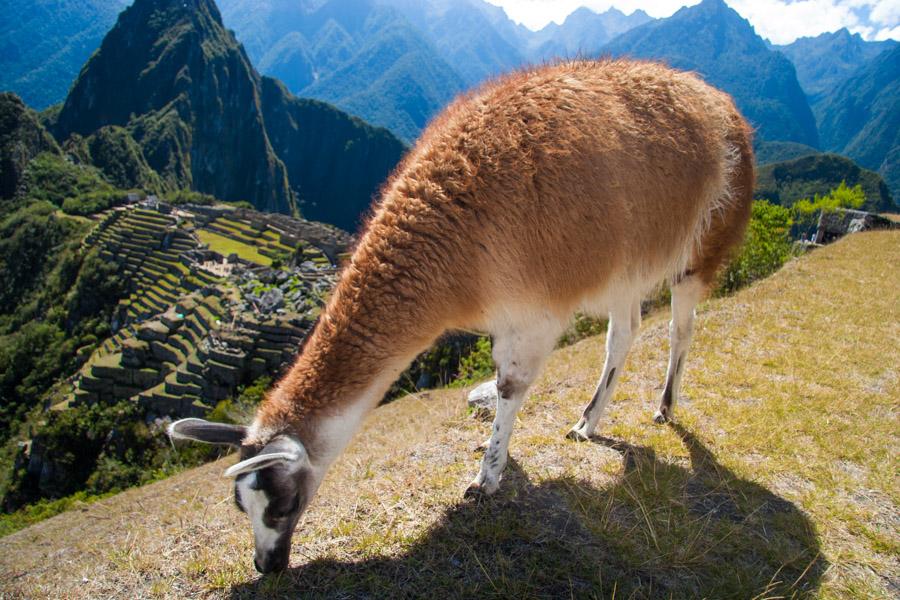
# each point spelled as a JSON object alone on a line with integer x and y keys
{"x": 253, "y": 242}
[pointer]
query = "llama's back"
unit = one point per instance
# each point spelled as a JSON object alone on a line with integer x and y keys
{"x": 556, "y": 182}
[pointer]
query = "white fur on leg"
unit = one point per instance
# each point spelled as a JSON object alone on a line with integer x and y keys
{"x": 624, "y": 322}
{"x": 519, "y": 355}
{"x": 685, "y": 296}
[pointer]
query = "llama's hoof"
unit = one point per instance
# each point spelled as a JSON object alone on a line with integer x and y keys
{"x": 577, "y": 436}
{"x": 660, "y": 418}
{"x": 474, "y": 491}
{"x": 481, "y": 490}
{"x": 580, "y": 432}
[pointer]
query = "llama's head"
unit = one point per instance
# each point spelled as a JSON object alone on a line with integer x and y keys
{"x": 273, "y": 485}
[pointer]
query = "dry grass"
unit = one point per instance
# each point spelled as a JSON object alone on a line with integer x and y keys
{"x": 781, "y": 479}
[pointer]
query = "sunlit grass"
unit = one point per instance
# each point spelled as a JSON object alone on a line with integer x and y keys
{"x": 225, "y": 246}
{"x": 780, "y": 479}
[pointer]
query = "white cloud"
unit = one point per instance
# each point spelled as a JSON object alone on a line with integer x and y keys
{"x": 781, "y": 21}
{"x": 888, "y": 34}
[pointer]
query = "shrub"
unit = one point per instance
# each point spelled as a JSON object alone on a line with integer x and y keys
{"x": 53, "y": 178}
{"x": 476, "y": 365}
{"x": 766, "y": 248}
{"x": 806, "y": 212}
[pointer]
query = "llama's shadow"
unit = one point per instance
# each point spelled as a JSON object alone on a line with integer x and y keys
{"x": 661, "y": 530}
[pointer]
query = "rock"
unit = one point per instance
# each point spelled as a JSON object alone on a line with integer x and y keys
{"x": 271, "y": 300}
{"x": 483, "y": 400}
{"x": 834, "y": 224}
{"x": 153, "y": 331}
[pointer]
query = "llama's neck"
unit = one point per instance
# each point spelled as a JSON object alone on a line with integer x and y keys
{"x": 381, "y": 315}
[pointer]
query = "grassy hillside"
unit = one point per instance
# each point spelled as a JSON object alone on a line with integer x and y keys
{"x": 780, "y": 479}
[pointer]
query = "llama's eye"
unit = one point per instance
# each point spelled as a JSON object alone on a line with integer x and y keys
{"x": 283, "y": 511}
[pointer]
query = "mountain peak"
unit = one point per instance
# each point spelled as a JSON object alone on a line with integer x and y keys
{"x": 180, "y": 84}
{"x": 714, "y": 40}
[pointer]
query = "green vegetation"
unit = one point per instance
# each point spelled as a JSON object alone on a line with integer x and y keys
{"x": 94, "y": 451}
{"x": 46, "y": 44}
{"x": 52, "y": 178}
{"x": 476, "y": 365}
{"x": 226, "y": 246}
{"x": 54, "y": 300}
{"x": 34, "y": 513}
{"x": 114, "y": 152}
{"x": 786, "y": 182}
{"x": 242, "y": 407}
{"x": 806, "y": 212}
{"x": 860, "y": 117}
{"x": 22, "y": 137}
{"x": 766, "y": 248}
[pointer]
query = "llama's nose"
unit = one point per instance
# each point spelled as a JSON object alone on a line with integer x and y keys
{"x": 270, "y": 564}
{"x": 259, "y": 565}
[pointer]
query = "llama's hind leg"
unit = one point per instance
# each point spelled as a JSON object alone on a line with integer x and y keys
{"x": 624, "y": 323}
{"x": 519, "y": 356}
{"x": 685, "y": 296}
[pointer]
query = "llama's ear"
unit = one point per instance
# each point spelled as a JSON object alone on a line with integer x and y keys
{"x": 282, "y": 450}
{"x": 207, "y": 432}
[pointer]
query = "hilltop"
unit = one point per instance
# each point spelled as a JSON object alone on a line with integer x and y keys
{"x": 779, "y": 479}
{"x": 714, "y": 40}
{"x": 180, "y": 91}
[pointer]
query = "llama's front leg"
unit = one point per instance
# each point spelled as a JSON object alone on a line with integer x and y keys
{"x": 519, "y": 358}
{"x": 685, "y": 296}
{"x": 624, "y": 322}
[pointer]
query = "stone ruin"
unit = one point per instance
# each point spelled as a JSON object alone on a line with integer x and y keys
{"x": 834, "y": 224}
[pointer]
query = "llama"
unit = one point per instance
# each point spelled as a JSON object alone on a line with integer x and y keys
{"x": 573, "y": 187}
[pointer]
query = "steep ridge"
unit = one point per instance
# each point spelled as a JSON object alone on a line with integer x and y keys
{"x": 22, "y": 137}
{"x": 361, "y": 55}
{"x": 861, "y": 117}
{"x": 178, "y": 80}
{"x": 825, "y": 61}
{"x": 180, "y": 84}
{"x": 718, "y": 43}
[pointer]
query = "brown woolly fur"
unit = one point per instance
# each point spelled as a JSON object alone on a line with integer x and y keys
{"x": 545, "y": 188}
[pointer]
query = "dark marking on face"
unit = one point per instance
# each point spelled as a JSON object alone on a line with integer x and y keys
{"x": 609, "y": 377}
{"x": 286, "y": 498}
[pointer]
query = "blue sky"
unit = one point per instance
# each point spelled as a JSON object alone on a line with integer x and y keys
{"x": 781, "y": 21}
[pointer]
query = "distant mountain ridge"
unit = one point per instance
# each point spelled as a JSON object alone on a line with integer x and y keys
{"x": 44, "y": 43}
{"x": 583, "y": 33}
{"x": 825, "y": 61}
{"x": 396, "y": 63}
{"x": 861, "y": 117}
{"x": 182, "y": 87}
{"x": 718, "y": 43}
